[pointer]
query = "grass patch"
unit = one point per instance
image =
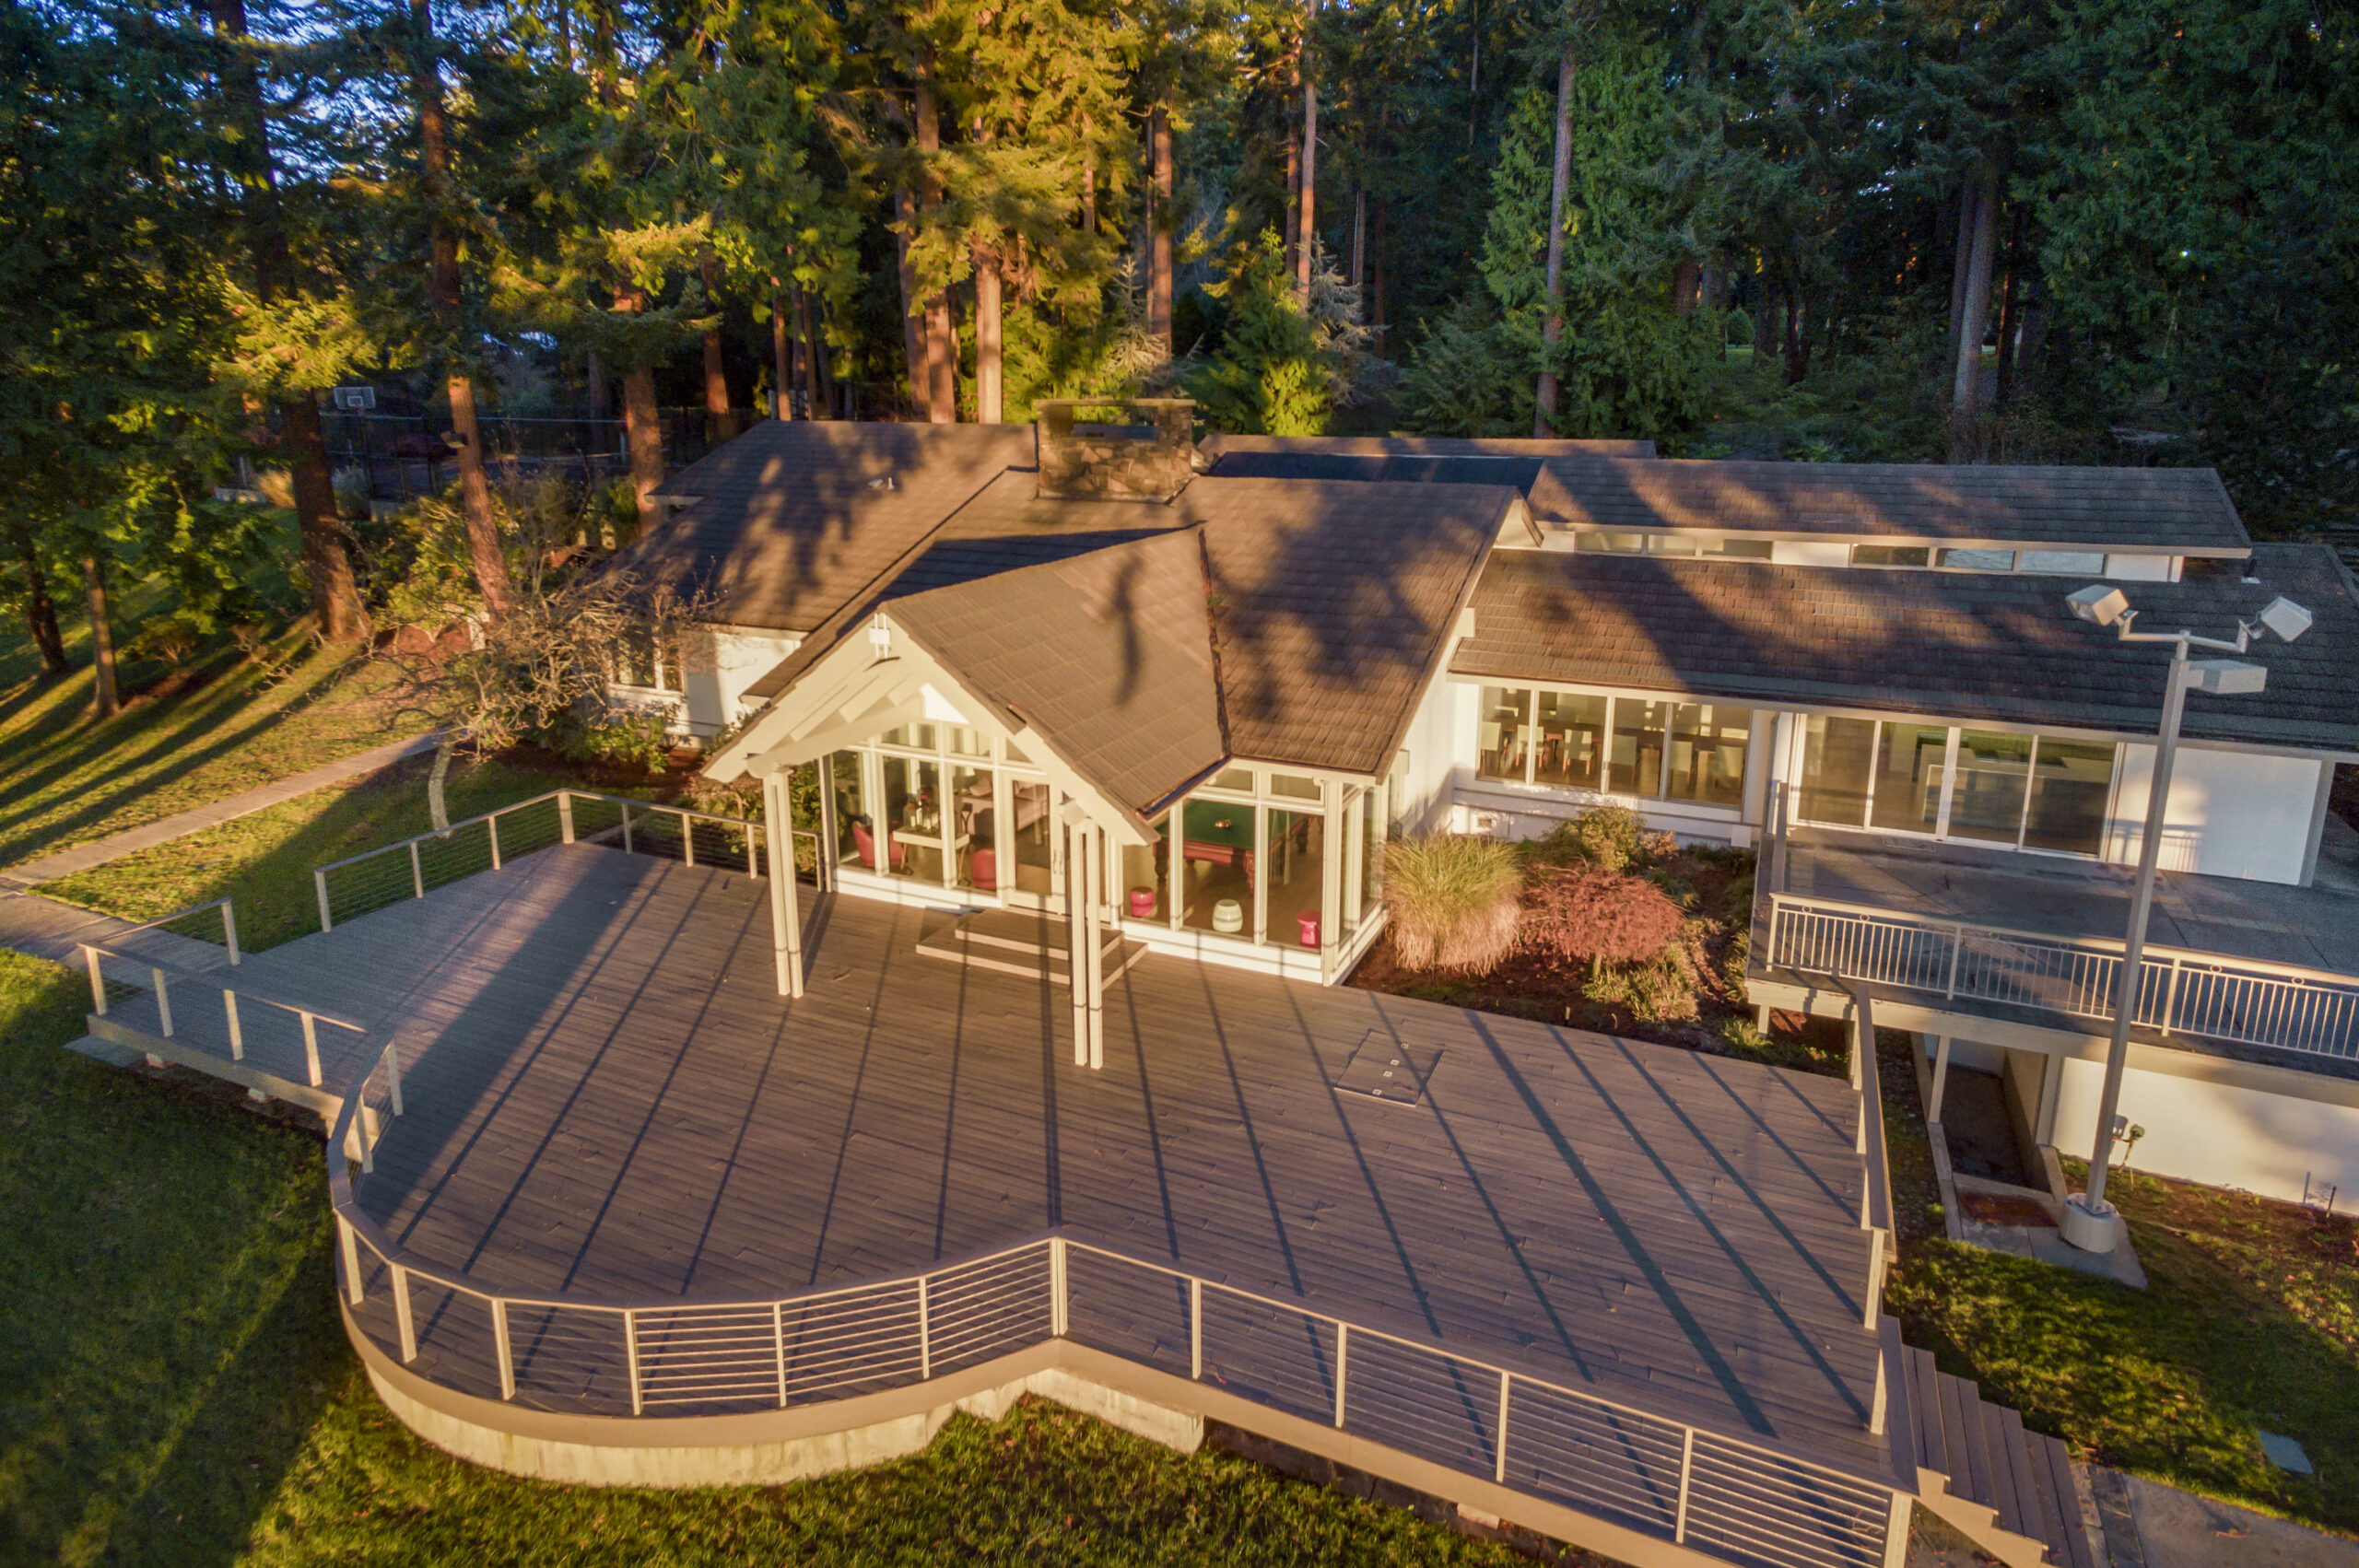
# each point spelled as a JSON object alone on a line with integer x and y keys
{"x": 264, "y": 860}
{"x": 69, "y": 779}
{"x": 2250, "y": 1322}
{"x": 175, "y": 1389}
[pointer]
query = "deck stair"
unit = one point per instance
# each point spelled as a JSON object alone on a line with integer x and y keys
{"x": 1016, "y": 941}
{"x": 2011, "y": 1491}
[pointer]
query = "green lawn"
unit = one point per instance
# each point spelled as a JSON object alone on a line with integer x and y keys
{"x": 175, "y": 1388}
{"x": 2250, "y": 1322}
{"x": 69, "y": 779}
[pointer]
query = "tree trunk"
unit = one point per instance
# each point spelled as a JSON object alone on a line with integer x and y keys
{"x": 1158, "y": 267}
{"x": 1088, "y": 177}
{"x": 912, "y": 328}
{"x": 336, "y": 597}
{"x": 107, "y": 699}
{"x": 484, "y": 553}
{"x": 1375, "y": 278}
{"x": 1294, "y": 191}
{"x": 941, "y": 334}
{"x": 814, "y": 358}
{"x": 1797, "y": 338}
{"x": 1974, "y": 314}
{"x": 1307, "y": 260}
{"x": 988, "y": 391}
{"x": 1551, "y": 332}
{"x": 782, "y": 352}
{"x": 1686, "y": 284}
{"x": 335, "y": 601}
{"x": 642, "y": 423}
{"x": 2010, "y": 313}
{"x": 1360, "y": 236}
{"x": 1969, "y": 197}
{"x": 716, "y": 380}
{"x": 595, "y": 374}
{"x": 41, "y": 610}
{"x": 1765, "y": 323}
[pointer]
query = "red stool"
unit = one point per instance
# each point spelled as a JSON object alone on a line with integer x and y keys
{"x": 1309, "y": 923}
{"x": 1142, "y": 903}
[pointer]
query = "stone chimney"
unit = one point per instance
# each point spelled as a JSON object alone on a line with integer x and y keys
{"x": 1148, "y": 456}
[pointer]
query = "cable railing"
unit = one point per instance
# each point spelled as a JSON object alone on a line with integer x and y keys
{"x": 2239, "y": 1000}
{"x": 413, "y": 867}
{"x": 245, "y": 1011}
{"x": 664, "y": 1356}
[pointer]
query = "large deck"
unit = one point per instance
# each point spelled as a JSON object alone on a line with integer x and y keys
{"x": 605, "y": 1099}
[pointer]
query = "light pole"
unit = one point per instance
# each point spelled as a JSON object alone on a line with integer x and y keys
{"x": 2090, "y": 1223}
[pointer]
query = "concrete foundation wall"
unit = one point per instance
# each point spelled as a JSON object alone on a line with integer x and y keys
{"x": 2278, "y": 1145}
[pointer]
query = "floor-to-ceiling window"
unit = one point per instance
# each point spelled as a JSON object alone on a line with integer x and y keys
{"x": 1641, "y": 747}
{"x": 2002, "y": 787}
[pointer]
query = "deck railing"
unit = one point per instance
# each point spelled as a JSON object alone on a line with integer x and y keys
{"x": 239, "y": 1002}
{"x": 2240, "y": 1000}
{"x": 1719, "y": 1494}
{"x": 414, "y": 867}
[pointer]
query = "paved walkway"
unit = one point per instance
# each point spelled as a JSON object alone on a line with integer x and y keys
{"x": 2151, "y": 1526}
{"x": 99, "y": 851}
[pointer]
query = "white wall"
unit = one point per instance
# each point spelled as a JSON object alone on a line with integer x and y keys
{"x": 2219, "y": 1134}
{"x": 2232, "y": 814}
{"x": 1434, "y": 743}
{"x": 733, "y": 658}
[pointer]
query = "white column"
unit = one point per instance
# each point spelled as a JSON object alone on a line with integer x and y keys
{"x": 1331, "y": 820}
{"x": 1077, "y": 930}
{"x": 1941, "y": 1078}
{"x": 786, "y": 918}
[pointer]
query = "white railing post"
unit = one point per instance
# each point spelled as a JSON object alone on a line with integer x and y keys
{"x": 229, "y": 931}
{"x": 1056, "y": 1304}
{"x": 1687, "y": 1473}
{"x": 626, "y": 806}
{"x": 1499, "y": 1439}
{"x": 163, "y": 1000}
{"x": 565, "y": 816}
{"x": 1343, "y": 1355}
{"x": 402, "y": 1314}
{"x": 1883, "y": 1393}
{"x": 631, "y": 1353}
{"x": 311, "y": 1046}
{"x": 350, "y": 1239}
{"x": 1769, "y": 961}
{"x": 364, "y": 1128}
{"x": 499, "y": 1347}
{"x": 491, "y": 826}
{"x": 687, "y": 840}
{"x": 1195, "y": 1328}
{"x": 925, "y": 1331}
{"x": 97, "y": 980}
{"x": 237, "y": 1036}
{"x": 320, "y": 880}
{"x": 2170, "y": 997}
{"x": 393, "y": 1075}
{"x": 778, "y": 1337}
{"x": 1957, "y": 953}
{"x": 417, "y": 872}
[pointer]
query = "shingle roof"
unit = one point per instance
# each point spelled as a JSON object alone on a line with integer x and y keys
{"x": 789, "y": 522}
{"x": 1108, "y": 656}
{"x": 2178, "y": 509}
{"x": 1964, "y": 646}
{"x": 1006, "y": 525}
{"x": 1222, "y": 446}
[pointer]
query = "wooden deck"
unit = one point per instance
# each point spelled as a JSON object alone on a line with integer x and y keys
{"x": 606, "y": 1098}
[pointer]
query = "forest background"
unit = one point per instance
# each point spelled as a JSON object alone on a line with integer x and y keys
{"x": 2108, "y": 231}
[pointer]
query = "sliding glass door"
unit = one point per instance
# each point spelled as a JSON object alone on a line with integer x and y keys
{"x": 2017, "y": 790}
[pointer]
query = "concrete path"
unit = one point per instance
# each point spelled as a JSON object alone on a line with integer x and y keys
{"x": 2170, "y": 1529}
{"x": 98, "y": 852}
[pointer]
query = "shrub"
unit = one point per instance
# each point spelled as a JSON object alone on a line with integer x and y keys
{"x": 1659, "y": 990}
{"x": 617, "y": 735}
{"x": 351, "y": 493}
{"x": 1605, "y": 917}
{"x": 1451, "y": 899}
{"x": 1609, "y": 837}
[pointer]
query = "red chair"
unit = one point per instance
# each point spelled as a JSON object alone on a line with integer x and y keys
{"x": 865, "y": 843}
{"x": 982, "y": 870}
{"x": 1307, "y": 922}
{"x": 1143, "y": 903}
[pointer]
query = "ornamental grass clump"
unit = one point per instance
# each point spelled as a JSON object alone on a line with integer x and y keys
{"x": 1450, "y": 900}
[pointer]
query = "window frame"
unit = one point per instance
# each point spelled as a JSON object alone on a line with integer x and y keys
{"x": 1942, "y": 832}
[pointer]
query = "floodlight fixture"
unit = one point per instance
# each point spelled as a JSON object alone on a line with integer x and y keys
{"x": 2226, "y": 677}
{"x": 2100, "y": 604}
{"x": 2287, "y": 619}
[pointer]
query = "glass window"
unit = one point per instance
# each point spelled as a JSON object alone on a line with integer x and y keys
{"x": 1837, "y": 756}
{"x": 1293, "y": 787}
{"x": 1029, "y": 837}
{"x": 1505, "y": 714}
{"x": 2070, "y": 783}
{"x": 1707, "y": 745}
{"x": 639, "y": 662}
{"x": 915, "y": 737}
{"x": 1571, "y": 737}
{"x": 1637, "y": 543}
{"x": 1217, "y": 866}
{"x": 1741, "y": 549}
{"x": 855, "y": 833}
{"x": 965, "y": 741}
{"x": 914, "y": 817}
{"x": 1145, "y": 893}
{"x": 1978, "y": 560}
{"x": 1635, "y": 765}
{"x": 1237, "y": 778}
{"x": 1296, "y": 862}
{"x": 1891, "y": 556}
{"x": 974, "y": 828}
{"x": 2078, "y": 563}
{"x": 1015, "y": 753}
{"x": 1909, "y": 758}
{"x": 1993, "y": 774}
